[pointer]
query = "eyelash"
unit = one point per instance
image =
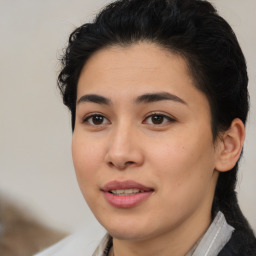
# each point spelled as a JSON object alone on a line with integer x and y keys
{"x": 87, "y": 119}
{"x": 167, "y": 119}
{"x": 163, "y": 119}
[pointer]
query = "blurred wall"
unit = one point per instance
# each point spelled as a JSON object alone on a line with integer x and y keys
{"x": 35, "y": 139}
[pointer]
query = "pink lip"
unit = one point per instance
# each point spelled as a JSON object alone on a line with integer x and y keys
{"x": 126, "y": 201}
{"x": 127, "y": 184}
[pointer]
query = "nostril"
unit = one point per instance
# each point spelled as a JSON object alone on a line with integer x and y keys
{"x": 121, "y": 165}
{"x": 110, "y": 163}
{"x": 129, "y": 163}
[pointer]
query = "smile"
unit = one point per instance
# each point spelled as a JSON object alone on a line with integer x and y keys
{"x": 126, "y": 194}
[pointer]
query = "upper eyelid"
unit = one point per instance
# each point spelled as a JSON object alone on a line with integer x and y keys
{"x": 90, "y": 115}
{"x": 160, "y": 114}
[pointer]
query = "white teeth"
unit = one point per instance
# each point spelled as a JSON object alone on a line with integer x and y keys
{"x": 126, "y": 192}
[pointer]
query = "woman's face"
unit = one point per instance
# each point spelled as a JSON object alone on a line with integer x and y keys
{"x": 142, "y": 146}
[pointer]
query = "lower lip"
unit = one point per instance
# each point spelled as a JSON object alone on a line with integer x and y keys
{"x": 126, "y": 201}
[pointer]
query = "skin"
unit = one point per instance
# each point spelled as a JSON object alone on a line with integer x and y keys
{"x": 176, "y": 157}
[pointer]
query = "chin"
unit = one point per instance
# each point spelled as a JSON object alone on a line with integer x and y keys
{"x": 130, "y": 232}
{"x": 129, "y": 235}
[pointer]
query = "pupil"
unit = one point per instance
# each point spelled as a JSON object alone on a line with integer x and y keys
{"x": 157, "y": 119}
{"x": 97, "y": 120}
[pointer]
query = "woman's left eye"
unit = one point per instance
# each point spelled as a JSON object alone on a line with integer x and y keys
{"x": 158, "y": 119}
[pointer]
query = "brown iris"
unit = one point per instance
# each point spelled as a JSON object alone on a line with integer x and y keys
{"x": 157, "y": 119}
{"x": 97, "y": 120}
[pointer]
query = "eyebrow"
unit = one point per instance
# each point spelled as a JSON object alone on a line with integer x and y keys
{"x": 154, "y": 97}
{"x": 145, "y": 98}
{"x": 95, "y": 99}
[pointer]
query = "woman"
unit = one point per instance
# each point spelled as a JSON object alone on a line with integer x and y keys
{"x": 157, "y": 91}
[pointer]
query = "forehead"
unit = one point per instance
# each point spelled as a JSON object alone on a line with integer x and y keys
{"x": 137, "y": 69}
{"x": 138, "y": 54}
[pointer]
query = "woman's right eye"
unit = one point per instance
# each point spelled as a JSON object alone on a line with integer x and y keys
{"x": 96, "y": 120}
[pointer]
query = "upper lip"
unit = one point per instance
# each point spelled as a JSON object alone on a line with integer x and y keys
{"x": 127, "y": 184}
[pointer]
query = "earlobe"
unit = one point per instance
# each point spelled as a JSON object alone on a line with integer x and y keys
{"x": 230, "y": 146}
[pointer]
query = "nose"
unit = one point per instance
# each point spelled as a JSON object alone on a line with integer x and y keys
{"x": 124, "y": 148}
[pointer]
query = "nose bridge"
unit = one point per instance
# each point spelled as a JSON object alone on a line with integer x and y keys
{"x": 123, "y": 149}
{"x": 121, "y": 142}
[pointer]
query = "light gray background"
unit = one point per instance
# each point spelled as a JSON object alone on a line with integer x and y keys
{"x": 35, "y": 135}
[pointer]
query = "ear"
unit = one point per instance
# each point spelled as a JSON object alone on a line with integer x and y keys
{"x": 230, "y": 145}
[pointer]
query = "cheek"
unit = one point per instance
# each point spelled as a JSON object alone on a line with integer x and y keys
{"x": 86, "y": 158}
{"x": 171, "y": 166}
{"x": 184, "y": 175}
{"x": 184, "y": 162}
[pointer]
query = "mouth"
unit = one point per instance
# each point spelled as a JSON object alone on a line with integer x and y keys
{"x": 126, "y": 194}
